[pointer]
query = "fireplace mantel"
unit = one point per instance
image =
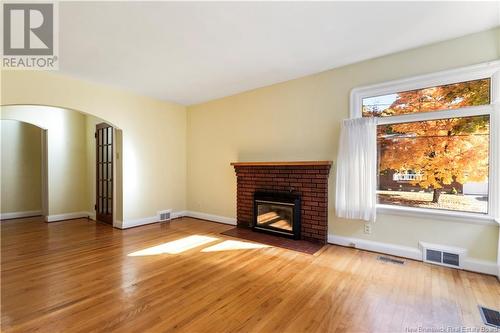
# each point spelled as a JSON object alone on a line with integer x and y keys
{"x": 284, "y": 163}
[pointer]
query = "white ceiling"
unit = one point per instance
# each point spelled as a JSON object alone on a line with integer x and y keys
{"x": 191, "y": 52}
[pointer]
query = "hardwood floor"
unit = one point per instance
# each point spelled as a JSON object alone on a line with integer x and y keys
{"x": 79, "y": 276}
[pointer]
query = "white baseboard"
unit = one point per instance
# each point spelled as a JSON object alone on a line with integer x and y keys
{"x": 178, "y": 214}
{"x": 145, "y": 220}
{"x": 470, "y": 264}
{"x": 480, "y": 266}
{"x": 16, "y": 215}
{"x": 152, "y": 219}
{"x": 67, "y": 216}
{"x": 210, "y": 217}
{"x": 137, "y": 222}
{"x": 392, "y": 249}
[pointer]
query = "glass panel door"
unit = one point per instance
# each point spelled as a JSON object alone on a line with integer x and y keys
{"x": 104, "y": 173}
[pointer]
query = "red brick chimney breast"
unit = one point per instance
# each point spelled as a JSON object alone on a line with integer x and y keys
{"x": 308, "y": 178}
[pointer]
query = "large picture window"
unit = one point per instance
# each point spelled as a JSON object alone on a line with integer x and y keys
{"x": 436, "y": 141}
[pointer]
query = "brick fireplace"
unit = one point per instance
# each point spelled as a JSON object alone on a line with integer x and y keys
{"x": 308, "y": 179}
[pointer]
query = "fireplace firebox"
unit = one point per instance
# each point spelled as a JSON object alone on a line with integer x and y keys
{"x": 277, "y": 213}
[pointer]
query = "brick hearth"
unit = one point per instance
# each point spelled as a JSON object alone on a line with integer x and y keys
{"x": 309, "y": 179}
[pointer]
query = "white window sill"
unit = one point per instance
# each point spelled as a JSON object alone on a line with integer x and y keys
{"x": 444, "y": 215}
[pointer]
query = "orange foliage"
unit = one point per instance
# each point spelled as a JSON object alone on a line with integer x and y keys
{"x": 442, "y": 150}
{"x": 450, "y": 96}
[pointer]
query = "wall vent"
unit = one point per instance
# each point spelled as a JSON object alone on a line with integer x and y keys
{"x": 443, "y": 255}
{"x": 165, "y": 215}
{"x": 451, "y": 259}
{"x": 433, "y": 255}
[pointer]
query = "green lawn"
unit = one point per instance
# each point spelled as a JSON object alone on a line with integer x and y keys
{"x": 458, "y": 202}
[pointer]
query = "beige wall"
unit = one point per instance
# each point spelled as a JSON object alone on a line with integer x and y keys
{"x": 153, "y": 134}
{"x": 300, "y": 120}
{"x": 66, "y": 142}
{"x": 21, "y": 184}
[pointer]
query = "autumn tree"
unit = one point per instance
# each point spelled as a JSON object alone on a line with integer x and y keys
{"x": 443, "y": 150}
{"x": 450, "y": 96}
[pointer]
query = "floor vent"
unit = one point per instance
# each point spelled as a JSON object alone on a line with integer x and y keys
{"x": 490, "y": 317}
{"x": 391, "y": 260}
{"x": 165, "y": 215}
{"x": 442, "y": 255}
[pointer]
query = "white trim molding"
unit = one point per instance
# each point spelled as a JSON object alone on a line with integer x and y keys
{"x": 442, "y": 215}
{"x": 67, "y": 216}
{"x": 469, "y": 264}
{"x": 211, "y": 217}
{"x": 145, "y": 220}
{"x": 480, "y": 266}
{"x": 17, "y": 215}
{"x": 363, "y": 244}
{"x": 138, "y": 222}
{"x": 176, "y": 215}
{"x": 183, "y": 213}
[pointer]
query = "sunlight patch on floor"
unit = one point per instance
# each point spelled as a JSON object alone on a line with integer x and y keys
{"x": 230, "y": 245}
{"x": 175, "y": 247}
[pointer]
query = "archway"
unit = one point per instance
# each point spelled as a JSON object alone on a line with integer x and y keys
{"x": 70, "y": 154}
{"x": 24, "y": 170}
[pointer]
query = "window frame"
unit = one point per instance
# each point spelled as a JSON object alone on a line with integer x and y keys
{"x": 485, "y": 70}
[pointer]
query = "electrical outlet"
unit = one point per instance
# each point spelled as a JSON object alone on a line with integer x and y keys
{"x": 368, "y": 228}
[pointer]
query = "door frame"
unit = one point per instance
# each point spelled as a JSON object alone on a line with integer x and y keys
{"x": 117, "y": 181}
{"x": 44, "y": 169}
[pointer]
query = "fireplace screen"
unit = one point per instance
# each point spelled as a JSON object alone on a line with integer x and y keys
{"x": 277, "y": 213}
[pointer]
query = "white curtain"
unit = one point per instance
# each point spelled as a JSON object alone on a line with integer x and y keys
{"x": 356, "y": 182}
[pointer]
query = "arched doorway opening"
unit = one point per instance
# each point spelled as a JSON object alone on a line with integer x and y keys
{"x": 74, "y": 178}
{"x": 23, "y": 170}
